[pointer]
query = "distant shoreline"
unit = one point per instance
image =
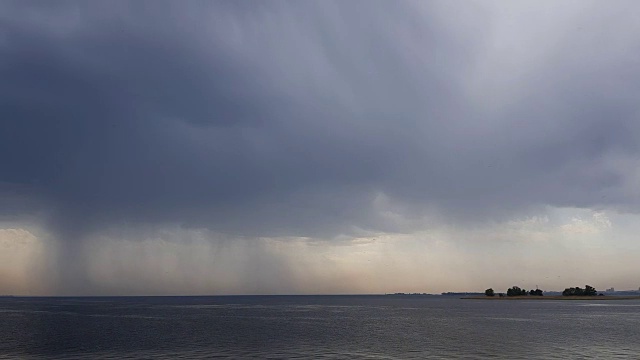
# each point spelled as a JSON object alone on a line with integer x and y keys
{"x": 555, "y": 297}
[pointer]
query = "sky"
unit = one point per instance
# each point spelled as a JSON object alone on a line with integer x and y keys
{"x": 318, "y": 147}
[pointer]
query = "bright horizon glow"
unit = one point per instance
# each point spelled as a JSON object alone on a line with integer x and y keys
{"x": 195, "y": 262}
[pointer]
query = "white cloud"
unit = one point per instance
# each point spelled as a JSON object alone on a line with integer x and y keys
{"x": 598, "y": 223}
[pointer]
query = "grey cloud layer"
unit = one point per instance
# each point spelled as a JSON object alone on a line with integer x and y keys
{"x": 292, "y": 118}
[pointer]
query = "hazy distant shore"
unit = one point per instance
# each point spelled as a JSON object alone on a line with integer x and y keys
{"x": 555, "y": 297}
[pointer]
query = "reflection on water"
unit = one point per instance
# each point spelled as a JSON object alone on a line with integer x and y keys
{"x": 349, "y": 327}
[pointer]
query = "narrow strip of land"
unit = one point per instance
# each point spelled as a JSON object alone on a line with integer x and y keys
{"x": 559, "y": 297}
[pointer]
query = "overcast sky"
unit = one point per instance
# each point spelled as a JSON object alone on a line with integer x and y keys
{"x": 234, "y": 147}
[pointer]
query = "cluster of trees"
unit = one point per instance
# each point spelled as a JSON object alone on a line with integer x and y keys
{"x": 515, "y": 291}
{"x": 578, "y": 291}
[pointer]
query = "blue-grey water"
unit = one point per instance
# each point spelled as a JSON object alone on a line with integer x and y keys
{"x": 290, "y": 327}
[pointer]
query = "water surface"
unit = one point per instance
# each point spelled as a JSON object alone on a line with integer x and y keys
{"x": 343, "y": 327}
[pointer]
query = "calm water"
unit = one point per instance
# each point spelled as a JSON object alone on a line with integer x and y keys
{"x": 348, "y": 327}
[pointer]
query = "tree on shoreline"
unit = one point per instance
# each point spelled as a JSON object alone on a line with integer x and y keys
{"x": 578, "y": 291}
{"x": 516, "y": 291}
{"x": 536, "y": 292}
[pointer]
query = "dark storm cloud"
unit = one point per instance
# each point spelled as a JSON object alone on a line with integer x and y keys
{"x": 292, "y": 118}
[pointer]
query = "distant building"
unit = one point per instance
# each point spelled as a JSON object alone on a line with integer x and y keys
{"x": 611, "y": 290}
